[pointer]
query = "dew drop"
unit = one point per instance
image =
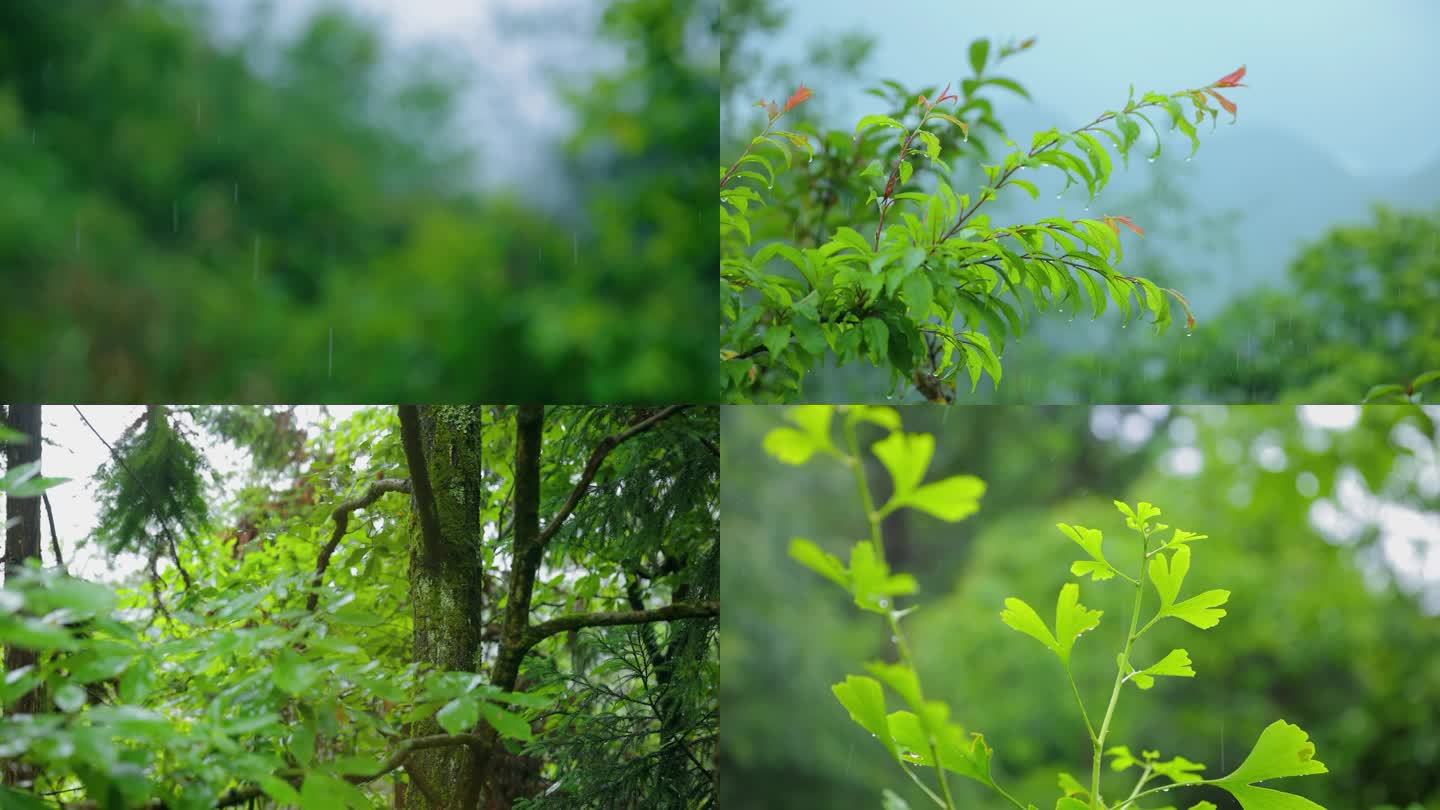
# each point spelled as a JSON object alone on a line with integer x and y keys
{"x": 1059, "y": 195}
{"x": 1188, "y": 159}
{"x": 884, "y": 603}
{"x": 811, "y": 160}
{"x": 1152, "y": 160}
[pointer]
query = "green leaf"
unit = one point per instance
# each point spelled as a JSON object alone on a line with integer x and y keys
{"x": 1092, "y": 541}
{"x": 865, "y": 701}
{"x": 21, "y": 800}
{"x": 323, "y": 791}
{"x": 1282, "y": 750}
{"x": 1020, "y": 616}
{"x": 459, "y": 715}
{"x": 1176, "y": 664}
{"x": 1179, "y": 770}
{"x": 1139, "y": 517}
{"x": 69, "y": 698}
{"x": 1068, "y": 803}
{"x": 796, "y": 446}
{"x": 508, "y": 723}
{"x": 871, "y": 582}
{"x": 821, "y": 562}
{"x": 1203, "y": 611}
{"x": 292, "y": 673}
{"x": 969, "y": 758}
{"x": 950, "y": 499}
{"x": 869, "y": 121}
{"x": 302, "y": 741}
{"x": 278, "y": 789}
{"x": 890, "y": 800}
{"x": 907, "y": 457}
{"x": 979, "y": 52}
{"x": 357, "y": 617}
{"x": 1071, "y": 620}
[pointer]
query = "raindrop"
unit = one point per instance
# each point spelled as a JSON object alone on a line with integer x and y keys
{"x": 575, "y": 246}
{"x": 1124, "y": 325}
{"x": 812, "y": 158}
{"x": 771, "y": 186}
{"x": 1059, "y": 194}
{"x": 894, "y": 639}
{"x": 256, "y": 260}
{"x": 1087, "y": 208}
{"x": 235, "y": 195}
{"x": 884, "y": 603}
{"x": 330, "y": 366}
{"x": 1151, "y": 159}
{"x": 965, "y": 137}
{"x": 175, "y": 216}
{"x": 1188, "y": 159}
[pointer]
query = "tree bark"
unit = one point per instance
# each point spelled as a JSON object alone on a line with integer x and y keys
{"x": 22, "y": 542}
{"x": 442, "y": 446}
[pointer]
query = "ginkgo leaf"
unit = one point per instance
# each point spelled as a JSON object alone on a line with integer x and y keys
{"x": 950, "y": 499}
{"x": 1091, "y": 540}
{"x": 1072, "y": 619}
{"x": 865, "y": 701}
{"x": 821, "y": 562}
{"x": 1020, "y": 616}
{"x": 970, "y": 758}
{"x": 1139, "y": 516}
{"x": 1203, "y": 611}
{"x": 1179, "y": 770}
{"x": 1176, "y": 664}
{"x": 871, "y": 582}
{"x": 907, "y": 457}
{"x": 1283, "y": 750}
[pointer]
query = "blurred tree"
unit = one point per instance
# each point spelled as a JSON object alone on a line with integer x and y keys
{"x": 275, "y": 219}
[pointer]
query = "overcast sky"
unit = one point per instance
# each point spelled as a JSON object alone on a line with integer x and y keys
{"x": 514, "y": 51}
{"x": 1356, "y": 79}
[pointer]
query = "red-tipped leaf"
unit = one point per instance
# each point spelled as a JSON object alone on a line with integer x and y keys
{"x": 1224, "y": 102}
{"x": 1231, "y": 79}
{"x": 796, "y": 98}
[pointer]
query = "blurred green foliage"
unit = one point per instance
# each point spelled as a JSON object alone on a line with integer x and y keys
{"x": 187, "y": 218}
{"x": 1330, "y": 624}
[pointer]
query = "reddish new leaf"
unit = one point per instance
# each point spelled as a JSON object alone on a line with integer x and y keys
{"x": 797, "y": 97}
{"x": 770, "y": 108}
{"x": 1224, "y": 102}
{"x": 1123, "y": 220}
{"x": 1231, "y": 79}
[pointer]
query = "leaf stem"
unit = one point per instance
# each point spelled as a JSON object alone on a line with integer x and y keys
{"x": 1120, "y": 665}
{"x": 1089, "y": 727}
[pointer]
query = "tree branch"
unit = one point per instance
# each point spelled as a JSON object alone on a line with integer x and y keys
{"x": 597, "y": 457}
{"x": 420, "y": 481}
{"x": 575, "y": 621}
{"x": 54, "y": 538}
{"x": 341, "y": 516}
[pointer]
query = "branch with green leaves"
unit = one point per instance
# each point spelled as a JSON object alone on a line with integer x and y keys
{"x": 1409, "y": 391}
{"x": 921, "y": 735}
{"x": 908, "y": 274}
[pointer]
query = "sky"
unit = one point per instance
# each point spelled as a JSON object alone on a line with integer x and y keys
{"x": 1355, "y": 79}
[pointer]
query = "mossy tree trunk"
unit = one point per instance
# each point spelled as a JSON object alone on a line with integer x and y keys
{"x": 442, "y": 446}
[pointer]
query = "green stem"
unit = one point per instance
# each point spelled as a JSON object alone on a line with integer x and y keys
{"x": 903, "y": 647}
{"x": 1144, "y": 777}
{"x": 1120, "y": 666}
{"x": 857, "y": 463}
{"x": 1084, "y": 714}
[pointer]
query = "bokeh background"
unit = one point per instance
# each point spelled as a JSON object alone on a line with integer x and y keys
{"x": 1306, "y": 235}
{"x": 1324, "y": 523}
{"x": 356, "y": 200}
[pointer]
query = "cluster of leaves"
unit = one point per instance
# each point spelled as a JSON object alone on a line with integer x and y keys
{"x": 1402, "y": 392}
{"x": 921, "y": 735}
{"x": 889, "y": 264}
{"x": 246, "y": 687}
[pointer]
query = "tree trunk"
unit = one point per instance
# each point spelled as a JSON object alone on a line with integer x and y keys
{"x": 22, "y": 542}
{"x": 446, "y": 580}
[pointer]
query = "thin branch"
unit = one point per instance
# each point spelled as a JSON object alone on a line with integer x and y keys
{"x": 420, "y": 481}
{"x": 154, "y": 502}
{"x": 341, "y": 516}
{"x": 54, "y": 538}
{"x": 592, "y": 467}
{"x": 575, "y": 621}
